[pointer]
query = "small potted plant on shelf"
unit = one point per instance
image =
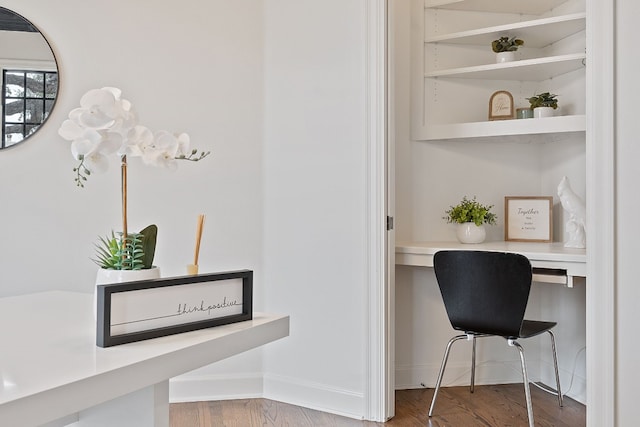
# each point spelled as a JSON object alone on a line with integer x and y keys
{"x": 505, "y": 48}
{"x": 470, "y": 217}
{"x": 543, "y": 104}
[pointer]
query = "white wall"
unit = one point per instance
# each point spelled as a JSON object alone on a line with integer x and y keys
{"x": 315, "y": 201}
{"x": 186, "y": 66}
{"x": 627, "y": 206}
{"x": 276, "y": 91}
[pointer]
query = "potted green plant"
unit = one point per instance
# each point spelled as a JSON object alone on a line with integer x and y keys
{"x": 470, "y": 217}
{"x": 505, "y": 48}
{"x": 543, "y": 104}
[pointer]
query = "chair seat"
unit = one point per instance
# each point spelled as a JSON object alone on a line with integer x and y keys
{"x": 531, "y": 328}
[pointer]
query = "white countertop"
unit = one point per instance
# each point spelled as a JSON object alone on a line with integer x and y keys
{"x": 541, "y": 255}
{"x": 50, "y": 365}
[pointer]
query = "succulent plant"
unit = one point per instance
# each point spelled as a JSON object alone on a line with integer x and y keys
{"x": 506, "y": 44}
{"x": 133, "y": 252}
{"x": 545, "y": 99}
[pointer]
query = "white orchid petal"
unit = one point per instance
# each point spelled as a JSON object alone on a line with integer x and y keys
{"x": 111, "y": 142}
{"x": 183, "y": 145}
{"x": 96, "y": 162}
{"x": 167, "y": 143}
{"x": 95, "y": 119}
{"x": 70, "y": 130}
{"x": 117, "y": 93}
{"x": 81, "y": 147}
{"x": 99, "y": 97}
{"x": 75, "y": 114}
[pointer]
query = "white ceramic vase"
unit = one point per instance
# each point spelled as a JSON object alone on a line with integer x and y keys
{"x": 106, "y": 276}
{"x": 468, "y": 232}
{"x": 539, "y": 112}
{"x": 505, "y": 57}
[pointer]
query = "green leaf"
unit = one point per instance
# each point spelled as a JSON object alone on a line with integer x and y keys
{"x": 149, "y": 237}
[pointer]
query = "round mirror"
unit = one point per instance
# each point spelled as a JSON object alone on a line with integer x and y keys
{"x": 29, "y": 78}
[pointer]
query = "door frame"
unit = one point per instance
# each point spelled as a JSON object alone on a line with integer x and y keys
{"x": 600, "y": 201}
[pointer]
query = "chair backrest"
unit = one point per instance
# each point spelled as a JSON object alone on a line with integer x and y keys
{"x": 484, "y": 292}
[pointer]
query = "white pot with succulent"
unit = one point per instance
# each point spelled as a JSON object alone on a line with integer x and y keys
{"x": 505, "y": 48}
{"x": 470, "y": 217}
{"x": 543, "y": 104}
{"x": 104, "y": 125}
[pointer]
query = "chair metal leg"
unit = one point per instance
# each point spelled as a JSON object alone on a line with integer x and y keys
{"x": 525, "y": 378}
{"x": 555, "y": 366}
{"x": 442, "y": 367}
{"x": 473, "y": 365}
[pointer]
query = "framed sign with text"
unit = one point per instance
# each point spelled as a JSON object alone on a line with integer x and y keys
{"x": 501, "y": 106}
{"x": 528, "y": 219}
{"x": 135, "y": 311}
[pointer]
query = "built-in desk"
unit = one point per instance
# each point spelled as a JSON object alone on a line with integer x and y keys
{"x": 552, "y": 262}
{"x": 52, "y": 372}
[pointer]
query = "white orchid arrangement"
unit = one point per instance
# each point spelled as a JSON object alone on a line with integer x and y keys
{"x": 106, "y": 124}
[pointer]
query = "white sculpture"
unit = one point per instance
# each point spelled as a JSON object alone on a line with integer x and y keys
{"x": 575, "y": 207}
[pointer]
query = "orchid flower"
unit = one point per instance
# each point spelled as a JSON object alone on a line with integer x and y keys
{"x": 105, "y": 124}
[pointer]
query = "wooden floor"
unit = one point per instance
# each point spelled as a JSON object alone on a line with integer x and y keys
{"x": 489, "y": 406}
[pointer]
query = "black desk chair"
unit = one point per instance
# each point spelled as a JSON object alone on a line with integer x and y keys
{"x": 486, "y": 294}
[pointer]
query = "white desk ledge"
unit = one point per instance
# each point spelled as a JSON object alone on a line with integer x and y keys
{"x": 52, "y": 373}
{"x": 552, "y": 262}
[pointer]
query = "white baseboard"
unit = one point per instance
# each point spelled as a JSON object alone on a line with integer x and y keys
{"x": 282, "y": 389}
{"x": 493, "y": 372}
{"x": 215, "y": 387}
{"x": 314, "y": 395}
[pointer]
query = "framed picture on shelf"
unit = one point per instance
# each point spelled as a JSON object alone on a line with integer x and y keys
{"x": 528, "y": 219}
{"x": 501, "y": 106}
{"x": 135, "y": 311}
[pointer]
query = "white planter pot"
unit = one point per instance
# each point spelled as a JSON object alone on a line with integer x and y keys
{"x": 106, "y": 276}
{"x": 470, "y": 233}
{"x": 539, "y": 112}
{"x": 505, "y": 57}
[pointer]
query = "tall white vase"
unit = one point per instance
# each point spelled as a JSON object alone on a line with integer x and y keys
{"x": 470, "y": 233}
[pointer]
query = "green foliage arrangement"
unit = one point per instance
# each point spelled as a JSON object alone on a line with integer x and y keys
{"x": 545, "y": 99}
{"x": 506, "y": 44}
{"x": 133, "y": 252}
{"x": 470, "y": 211}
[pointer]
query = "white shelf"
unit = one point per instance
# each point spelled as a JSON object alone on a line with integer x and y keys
{"x": 560, "y": 124}
{"x": 536, "y": 33}
{"x": 527, "y": 7}
{"x": 537, "y": 69}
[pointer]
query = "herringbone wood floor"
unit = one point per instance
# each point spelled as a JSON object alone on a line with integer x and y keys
{"x": 489, "y": 406}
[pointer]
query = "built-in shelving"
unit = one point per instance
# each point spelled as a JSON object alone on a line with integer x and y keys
{"x": 531, "y": 7}
{"x": 505, "y": 128}
{"x": 537, "y": 69}
{"x": 554, "y": 47}
{"x": 537, "y": 33}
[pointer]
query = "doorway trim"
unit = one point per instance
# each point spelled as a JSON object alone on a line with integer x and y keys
{"x": 600, "y": 183}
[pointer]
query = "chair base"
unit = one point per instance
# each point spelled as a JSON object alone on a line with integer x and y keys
{"x": 525, "y": 377}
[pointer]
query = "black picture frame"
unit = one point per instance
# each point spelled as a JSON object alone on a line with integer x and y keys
{"x": 116, "y": 302}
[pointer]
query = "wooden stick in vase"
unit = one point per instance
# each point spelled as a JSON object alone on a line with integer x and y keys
{"x": 198, "y": 238}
